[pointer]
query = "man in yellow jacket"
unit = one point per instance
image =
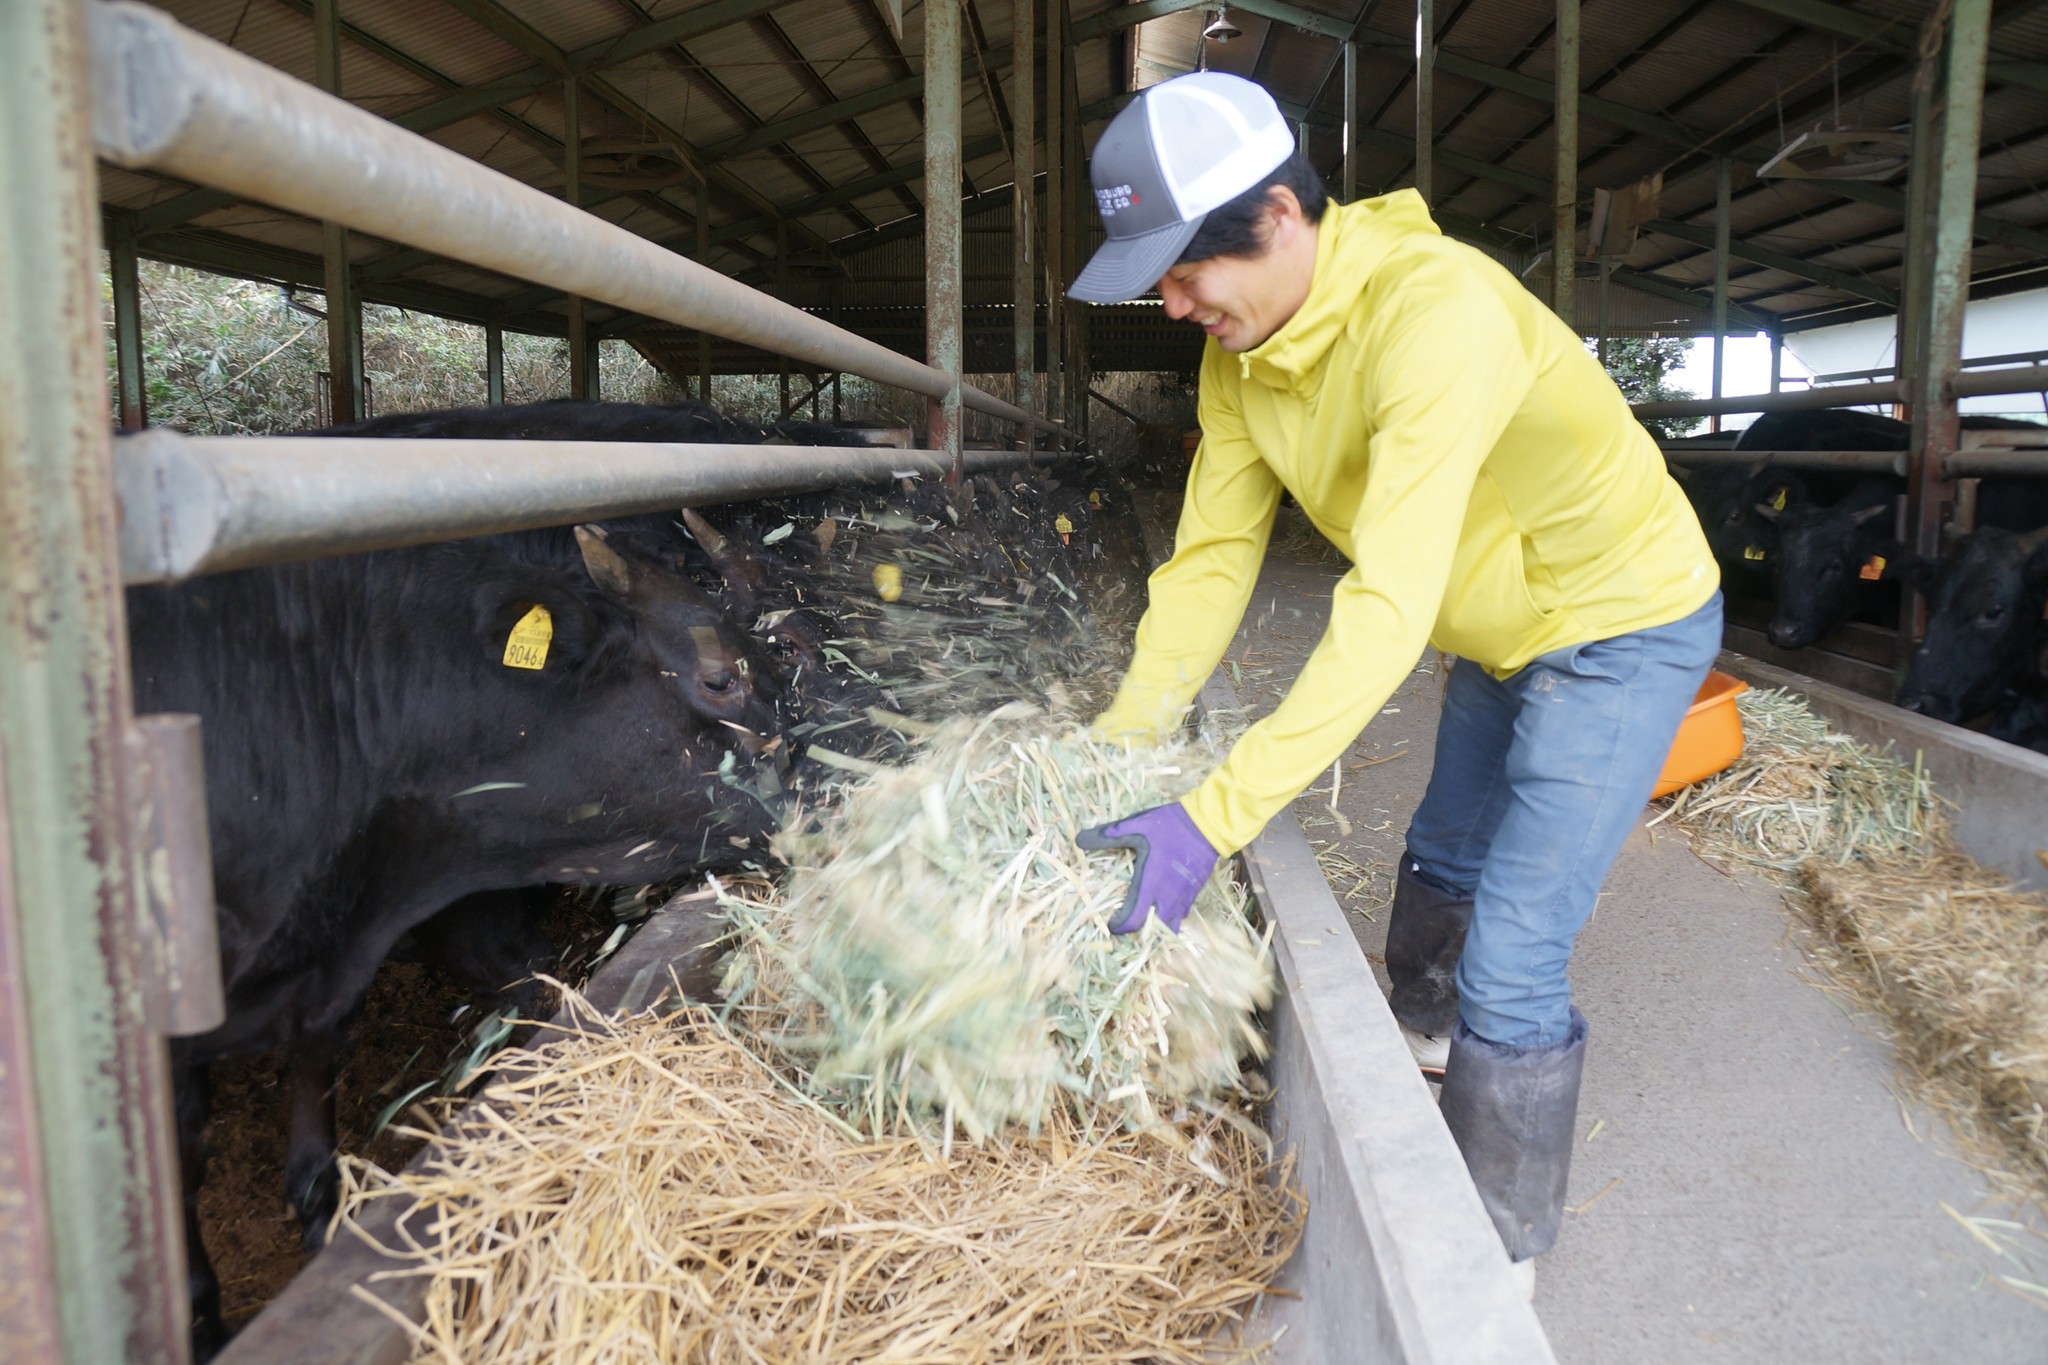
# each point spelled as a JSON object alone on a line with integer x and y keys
{"x": 1497, "y": 500}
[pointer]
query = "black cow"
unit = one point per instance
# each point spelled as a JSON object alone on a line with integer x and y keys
{"x": 1833, "y": 540}
{"x": 1743, "y": 542}
{"x": 372, "y": 759}
{"x": 1985, "y": 634}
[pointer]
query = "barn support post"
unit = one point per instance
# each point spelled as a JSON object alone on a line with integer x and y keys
{"x": 1564, "y": 191}
{"x": 1940, "y": 275}
{"x": 130, "y": 381}
{"x": 703, "y": 253}
{"x": 1777, "y": 362}
{"x": 1350, "y": 120}
{"x": 1425, "y": 95}
{"x": 1023, "y": 199}
{"x": 1055, "y": 209}
{"x": 944, "y": 321}
{"x": 1600, "y": 321}
{"x": 1723, "y": 183}
{"x": 344, "y": 307}
{"x": 91, "y": 1250}
{"x": 1081, "y": 212}
{"x": 581, "y": 372}
{"x": 494, "y": 364}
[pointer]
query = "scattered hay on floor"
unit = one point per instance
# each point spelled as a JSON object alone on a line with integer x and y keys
{"x": 1801, "y": 793}
{"x": 1954, "y": 958}
{"x": 1296, "y": 537}
{"x": 940, "y": 957}
{"x": 650, "y": 1191}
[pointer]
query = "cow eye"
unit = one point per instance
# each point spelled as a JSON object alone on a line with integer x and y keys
{"x": 720, "y": 681}
{"x": 1992, "y": 614}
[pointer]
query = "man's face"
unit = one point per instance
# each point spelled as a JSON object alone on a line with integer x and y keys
{"x": 1238, "y": 301}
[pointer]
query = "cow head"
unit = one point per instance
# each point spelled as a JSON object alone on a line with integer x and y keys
{"x": 1984, "y": 627}
{"x": 1824, "y": 556}
{"x": 646, "y": 739}
{"x": 1743, "y": 543}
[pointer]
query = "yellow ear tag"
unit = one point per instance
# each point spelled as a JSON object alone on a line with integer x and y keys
{"x": 1752, "y": 552}
{"x": 1873, "y": 569}
{"x": 528, "y": 646}
{"x": 1778, "y": 503}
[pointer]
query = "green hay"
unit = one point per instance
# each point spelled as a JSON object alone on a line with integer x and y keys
{"x": 941, "y": 951}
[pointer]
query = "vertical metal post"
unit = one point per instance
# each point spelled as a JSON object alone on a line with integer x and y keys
{"x": 1923, "y": 175}
{"x": 703, "y": 258}
{"x": 1081, "y": 212}
{"x": 90, "y": 1228}
{"x": 1777, "y": 361}
{"x": 580, "y": 369}
{"x": 1425, "y": 96}
{"x": 344, "y": 308}
{"x": 1023, "y": 232}
{"x": 1943, "y": 289}
{"x": 944, "y": 322}
{"x": 127, "y": 287}
{"x": 1350, "y": 120}
{"x": 1055, "y": 207}
{"x": 494, "y": 364}
{"x": 1564, "y": 197}
{"x": 1600, "y": 334}
{"x": 1724, "y": 176}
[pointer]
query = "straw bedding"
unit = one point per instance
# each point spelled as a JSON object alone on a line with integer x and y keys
{"x": 1953, "y": 957}
{"x": 647, "y": 1190}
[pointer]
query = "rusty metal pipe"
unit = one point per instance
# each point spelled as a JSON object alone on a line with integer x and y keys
{"x": 1857, "y": 461}
{"x": 167, "y": 99}
{"x": 201, "y": 504}
{"x": 1970, "y": 384}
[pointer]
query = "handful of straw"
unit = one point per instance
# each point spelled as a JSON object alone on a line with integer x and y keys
{"x": 646, "y": 1190}
{"x": 942, "y": 952}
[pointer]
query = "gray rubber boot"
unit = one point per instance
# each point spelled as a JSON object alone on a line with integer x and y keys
{"x": 1512, "y": 1111}
{"x": 1425, "y": 934}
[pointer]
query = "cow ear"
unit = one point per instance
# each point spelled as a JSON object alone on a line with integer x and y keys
{"x": 608, "y": 568}
{"x": 543, "y": 627}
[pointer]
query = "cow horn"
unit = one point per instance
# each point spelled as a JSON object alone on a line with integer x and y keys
{"x": 2034, "y": 539}
{"x": 703, "y": 532}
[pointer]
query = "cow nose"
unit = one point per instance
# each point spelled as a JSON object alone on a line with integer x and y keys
{"x": 1916, "y": 703}
{"x": 1786, "y": 635}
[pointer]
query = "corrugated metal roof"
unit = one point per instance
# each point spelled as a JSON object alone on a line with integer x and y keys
{"x": 1727, "y": 75}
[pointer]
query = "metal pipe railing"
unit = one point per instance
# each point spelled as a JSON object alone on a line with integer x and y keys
{"x": 1973, "y": 384}
{"x": 1855, "y": 461}
{"x": 167, "y": 99}
{"x": 201, "y": 504}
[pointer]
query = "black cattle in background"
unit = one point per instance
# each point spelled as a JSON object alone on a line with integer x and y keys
{"x": 1725, "y": 498}
{"x": 372, "y": 760}
{"x": 1985, "y": 633}
{"x": 1831, "y": 537}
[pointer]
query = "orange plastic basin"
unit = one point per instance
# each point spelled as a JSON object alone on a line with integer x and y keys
{"x": 1710, "y": 736}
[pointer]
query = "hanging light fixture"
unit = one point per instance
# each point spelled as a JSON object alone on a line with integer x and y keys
{"x": 1221, "y": 30}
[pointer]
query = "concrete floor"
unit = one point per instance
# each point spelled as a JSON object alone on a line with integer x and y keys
{"x": 1747, "y": 1187}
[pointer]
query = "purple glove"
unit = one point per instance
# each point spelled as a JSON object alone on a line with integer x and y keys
{"x": 1174, "y": 861}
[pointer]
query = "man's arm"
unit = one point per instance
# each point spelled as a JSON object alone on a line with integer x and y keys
{"x": 1197, "y": 598}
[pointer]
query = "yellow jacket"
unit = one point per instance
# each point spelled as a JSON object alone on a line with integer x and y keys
{"x": 1455, "y": 438}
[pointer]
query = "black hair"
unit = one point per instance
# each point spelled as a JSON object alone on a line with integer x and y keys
{"x": 1241, "y": 226}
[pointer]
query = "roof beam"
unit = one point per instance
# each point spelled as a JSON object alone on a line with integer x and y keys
{"x": 1899, "y": 37}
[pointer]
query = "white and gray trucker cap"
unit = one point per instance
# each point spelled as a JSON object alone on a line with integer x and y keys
{"x": 1180, "y": 149}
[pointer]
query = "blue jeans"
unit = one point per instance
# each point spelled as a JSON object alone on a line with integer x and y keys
{"x": 1537, "y": 782}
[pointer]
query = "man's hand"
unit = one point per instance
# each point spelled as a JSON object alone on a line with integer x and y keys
{"x": 1174, "y": 861}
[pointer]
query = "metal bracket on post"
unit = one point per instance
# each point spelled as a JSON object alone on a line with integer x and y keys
{"x": 175, "y": 872}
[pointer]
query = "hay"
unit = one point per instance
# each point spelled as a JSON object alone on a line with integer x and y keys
{"x": 1952, "y": 957}
{"x": 1801, "y": 793}
{"x": 941, "y": 949}
{"x": 647, "y": 1190}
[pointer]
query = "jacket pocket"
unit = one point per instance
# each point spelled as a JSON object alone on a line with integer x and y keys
{"x": 1487, "y": 614}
